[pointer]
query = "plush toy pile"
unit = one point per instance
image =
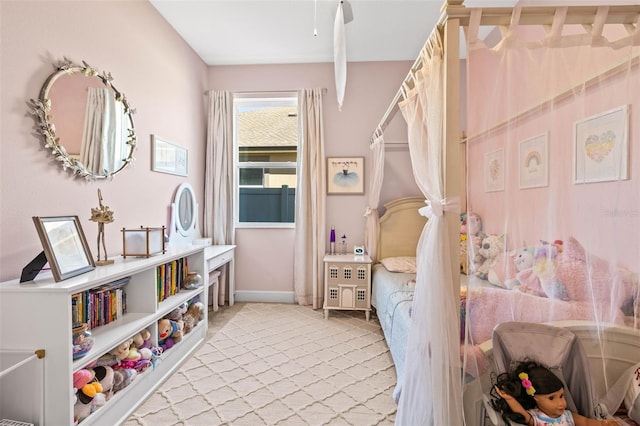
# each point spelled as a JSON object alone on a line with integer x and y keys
{"x": 95, "y": 384}
{"x": 565, "y": 271}
{"x": 179, "y": 322}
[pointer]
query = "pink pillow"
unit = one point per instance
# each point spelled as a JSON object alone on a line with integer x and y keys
{"x": 594, "y": 279}
{"x": 530, "y": 283}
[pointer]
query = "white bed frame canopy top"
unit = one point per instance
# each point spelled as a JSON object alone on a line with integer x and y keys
{"x": 455, "y": 11}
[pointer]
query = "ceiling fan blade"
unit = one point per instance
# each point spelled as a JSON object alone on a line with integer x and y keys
{"x": 347, "y": 11}
{"x": 339, "y": 55}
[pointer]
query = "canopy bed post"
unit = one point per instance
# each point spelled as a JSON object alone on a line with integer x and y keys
{"x": 452, "y": 125}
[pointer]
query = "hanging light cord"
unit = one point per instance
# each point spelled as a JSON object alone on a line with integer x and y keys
{"x": 315, "y": 18}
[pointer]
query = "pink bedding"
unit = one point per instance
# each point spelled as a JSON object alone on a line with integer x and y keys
{"x": 487, "y": 307}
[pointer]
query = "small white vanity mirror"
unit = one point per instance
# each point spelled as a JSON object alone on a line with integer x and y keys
{"x": 184, "y": 217}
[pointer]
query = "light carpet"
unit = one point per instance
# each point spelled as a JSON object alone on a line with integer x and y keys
{"x": 280, "y": 364}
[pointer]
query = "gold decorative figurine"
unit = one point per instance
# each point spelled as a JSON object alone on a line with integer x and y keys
{"x": 102, "y": 215}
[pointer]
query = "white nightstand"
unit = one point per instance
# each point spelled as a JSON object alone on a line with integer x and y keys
{"x": 347, "y": 283}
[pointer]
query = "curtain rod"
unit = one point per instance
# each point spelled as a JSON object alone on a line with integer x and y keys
{"x": 258, "y": 92}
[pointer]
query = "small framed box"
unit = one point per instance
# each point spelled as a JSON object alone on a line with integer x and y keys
{"x": 143, "y": 242}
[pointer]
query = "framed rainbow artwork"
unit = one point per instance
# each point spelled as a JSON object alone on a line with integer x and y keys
{"x": 534, "y": 162}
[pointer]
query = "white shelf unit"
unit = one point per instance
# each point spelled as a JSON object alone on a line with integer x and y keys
{"x": 38, "y": 314}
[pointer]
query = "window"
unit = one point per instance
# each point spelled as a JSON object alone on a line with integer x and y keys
{"x": 266, "y": 153}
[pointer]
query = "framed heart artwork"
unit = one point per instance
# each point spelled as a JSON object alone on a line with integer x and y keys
{"x": 601, "y": 147}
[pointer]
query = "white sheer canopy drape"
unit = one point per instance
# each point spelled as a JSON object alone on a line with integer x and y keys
{"x": 218, "y": 186}
{"x": 431, "y": 391}
{"x": 310, "y": 238}
{"x": 375, "y": 187}
{"x": 552, "y": 114}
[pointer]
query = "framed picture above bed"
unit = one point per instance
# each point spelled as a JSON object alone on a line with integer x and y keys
{"x": 534, "y": 162}
{"x": 494, "y": 171}
{"x": 601, "y": 147}
{"x": 345, "y": 175}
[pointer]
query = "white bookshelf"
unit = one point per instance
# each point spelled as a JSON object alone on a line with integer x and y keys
{"x": 37, "y": 315}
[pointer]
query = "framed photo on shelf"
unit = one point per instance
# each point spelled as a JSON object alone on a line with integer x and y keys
{"x": 345, "y": 175}
{"x": 494, "y": 171}
{"x": 601, "y": 147}
{"x": 65, "y": 246}
{"x": 167, "y": 157}
{"x": 534, "y": 162}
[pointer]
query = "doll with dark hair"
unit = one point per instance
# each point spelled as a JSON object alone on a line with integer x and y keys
{"x": 532, "y": 395}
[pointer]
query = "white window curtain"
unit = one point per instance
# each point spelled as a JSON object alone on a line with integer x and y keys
{"x": 310, "y": 237}
{"x": 97, "y": 151}
{"x": 431, "y": 389}
{"x": 218, "y": 186}
{"x": 375, "y": 187}
{"x": 552, "y": 120}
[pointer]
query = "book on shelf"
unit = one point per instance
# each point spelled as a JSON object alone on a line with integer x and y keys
{"x": 170, "y": 277}
{"x": 100, "y": 305}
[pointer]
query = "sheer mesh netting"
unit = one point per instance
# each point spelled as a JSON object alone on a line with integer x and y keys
{"x": 551, "y": 227}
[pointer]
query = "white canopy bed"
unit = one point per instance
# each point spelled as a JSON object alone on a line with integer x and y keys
{"x": 532, "y": 82}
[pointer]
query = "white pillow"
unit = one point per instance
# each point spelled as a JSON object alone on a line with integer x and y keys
{"x": 406, "y": 264}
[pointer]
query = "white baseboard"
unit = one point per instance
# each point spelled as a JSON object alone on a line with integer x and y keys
{"x": 265, "y": 296}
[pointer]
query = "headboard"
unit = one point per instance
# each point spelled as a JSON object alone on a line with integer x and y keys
{"x": 400, "y": 227}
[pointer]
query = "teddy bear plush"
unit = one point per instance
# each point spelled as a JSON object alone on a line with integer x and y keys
{"x": 178, "y": 312}
{"x": 490, "y": 249}
{"x": 115, "y": 356}
{"x": 142, "y": 339}
{"x": 192, "y": 316}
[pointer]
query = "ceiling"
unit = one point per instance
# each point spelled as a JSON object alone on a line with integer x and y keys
{"x": 240, "y": 32}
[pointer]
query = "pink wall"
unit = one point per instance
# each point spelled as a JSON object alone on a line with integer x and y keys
{"x": 370, "y": 88}
{"x": 161, "y": 76}
{"x": 603, "y": 216}
{"x": 164, "y": 80}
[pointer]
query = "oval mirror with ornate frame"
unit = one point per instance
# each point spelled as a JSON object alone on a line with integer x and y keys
{"x": 74, "y": 94}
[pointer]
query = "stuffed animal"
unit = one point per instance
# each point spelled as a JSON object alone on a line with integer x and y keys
{"x": 169, "y": 333}
{"x": 544, "y": 267}
{"x": 142, "y": 339}
{"x": 178, "y": 312}
{"x": 539, "y": 277}
{"x": 491, "y": 247}
{"x": 104, "y": 375}
{"x": 192, "y": 316}
{"x": 122, "y": 378}
{"x": 122, "y": 350}
{"x": 89, "y": 393}
{"x": 523, "y": 257}
{"x": 471, "y": 226}
{"x": 504, "y": 271}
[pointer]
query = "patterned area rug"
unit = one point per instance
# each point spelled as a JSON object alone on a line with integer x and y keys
{"x": 279, "y": 364}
